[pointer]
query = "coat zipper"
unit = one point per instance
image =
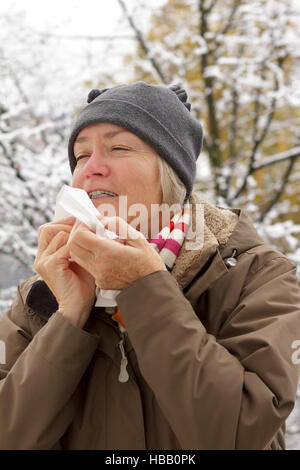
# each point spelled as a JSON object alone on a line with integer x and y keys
{"x": 123, "y": 375}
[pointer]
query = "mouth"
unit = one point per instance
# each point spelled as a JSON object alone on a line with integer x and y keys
{"x": 101, "y": 194}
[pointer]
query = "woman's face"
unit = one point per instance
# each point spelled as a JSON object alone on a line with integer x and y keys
{"x": 113, "y": 159}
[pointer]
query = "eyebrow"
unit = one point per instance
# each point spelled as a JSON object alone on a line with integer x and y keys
{"x": 107, "y": 135}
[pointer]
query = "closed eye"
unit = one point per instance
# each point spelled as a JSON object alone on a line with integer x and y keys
{"x": 80, "y": 157}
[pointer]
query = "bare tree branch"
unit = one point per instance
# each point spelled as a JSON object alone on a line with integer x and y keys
{"x": 231, "y": 17}
{"x": 27, "y": 146}
{"x": 258, "y": 140}
{"x": 211, "y": 6}
{"x": 208, "y": 82}
{"x": 19, "y": 176}
{"x": 143, "y": 44}
{"x": 295, "y": 177}
{"x": 213, "y": 144}
{"x": 278, "y": 158}
{"x": 26, "y": 100}
{"x": 231, "y": 159}
{"x": 18, "y": 257}
{"x": 280, "y": 191}
{"x": 12, "y": 164}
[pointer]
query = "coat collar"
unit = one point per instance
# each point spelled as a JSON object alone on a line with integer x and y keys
{"x": 216, "y": 235}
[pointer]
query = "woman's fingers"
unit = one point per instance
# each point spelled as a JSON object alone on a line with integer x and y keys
{"x": 47, "y": 232}
{"x": 90, "y": 251}
{"x": 58, "y": 241}
{"x": 123, "y": 230}
{"x": 56, "y": 254}
{"x": 67, "y": 221}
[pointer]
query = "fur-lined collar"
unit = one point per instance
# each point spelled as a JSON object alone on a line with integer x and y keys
{"x": 212, "y": 227}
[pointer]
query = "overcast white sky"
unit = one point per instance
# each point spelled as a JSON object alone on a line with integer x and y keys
{"x": 77, "y": 18}
{"x": 72, "y": 16}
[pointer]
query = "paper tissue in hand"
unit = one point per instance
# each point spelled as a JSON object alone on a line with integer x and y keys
{"x": 75, "y": 202}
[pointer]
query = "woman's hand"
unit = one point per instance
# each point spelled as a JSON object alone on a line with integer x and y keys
{"x": 72, "y": 285}
{"x": 114, "y": 265}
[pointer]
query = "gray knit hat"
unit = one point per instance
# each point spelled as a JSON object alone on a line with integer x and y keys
{"x": 157, "y": 114}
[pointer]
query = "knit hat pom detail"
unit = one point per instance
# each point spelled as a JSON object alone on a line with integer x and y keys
{"x": 182, "y": 95}
{"x": 94, "y": 93}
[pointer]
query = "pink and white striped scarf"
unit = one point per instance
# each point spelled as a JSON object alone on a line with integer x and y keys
{"x": 170, "y": 239}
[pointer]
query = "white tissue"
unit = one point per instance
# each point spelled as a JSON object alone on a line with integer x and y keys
{"x": 76, "y": 203}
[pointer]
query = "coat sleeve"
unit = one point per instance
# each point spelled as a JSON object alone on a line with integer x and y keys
{"x": 38, "y": 378}
{"x": 233, "y": 391}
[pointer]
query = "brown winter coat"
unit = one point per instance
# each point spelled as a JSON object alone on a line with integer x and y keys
{"x": 209, "y": 350}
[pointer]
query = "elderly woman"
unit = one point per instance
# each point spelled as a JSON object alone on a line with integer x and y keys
{"x": 198, "y": 351}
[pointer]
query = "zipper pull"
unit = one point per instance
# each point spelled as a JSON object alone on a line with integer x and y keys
{"x": 232, "y": 261}
{"x": 123, "y": 376}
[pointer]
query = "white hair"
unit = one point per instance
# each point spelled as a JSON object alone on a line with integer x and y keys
{"x": 173, "y": 189}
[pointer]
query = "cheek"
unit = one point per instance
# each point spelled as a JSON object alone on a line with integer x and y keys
{"x": 151, "y": 181}
{"x": 131, "y": 179}
{"x": 77, "y": 178}
{"x": 144, "y": 173}
{"x": 145, "y": 186}
{"x": 141, "y": 184}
